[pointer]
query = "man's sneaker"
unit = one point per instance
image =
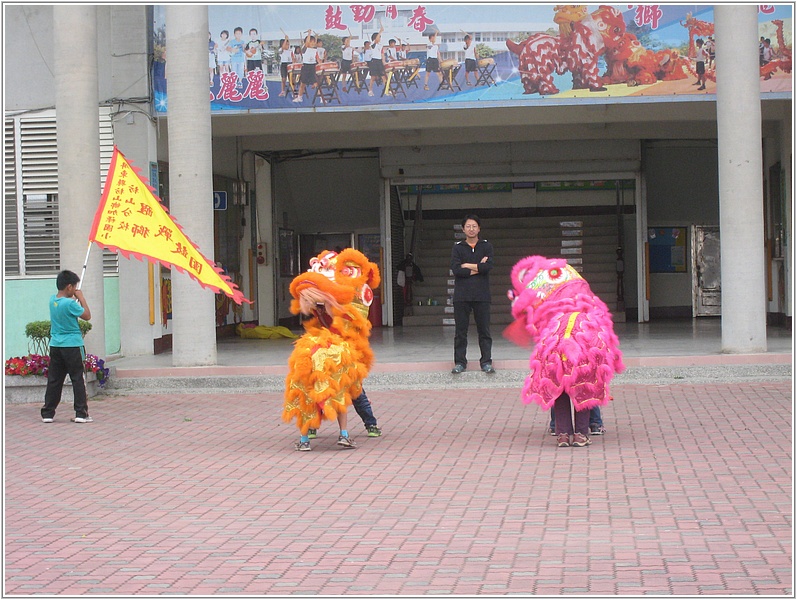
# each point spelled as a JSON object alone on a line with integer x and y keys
{"x": 580, "y": 440}
{"x": 374, "y": 431}
{"x": 312, "y": 433}
{"x": 302, "y": 446}
{"x": 563, "y": 440}
{"x": 458, "y": 369}
{"x": 595, "y": 429}
{"x": 47, "y": 420}
{"x": 82, "y": 420}
{"x": 346, "y": 442}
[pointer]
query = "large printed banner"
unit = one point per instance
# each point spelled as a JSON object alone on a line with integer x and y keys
{"x": 324, "y": 56}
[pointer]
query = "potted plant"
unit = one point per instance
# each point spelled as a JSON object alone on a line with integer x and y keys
{"x": 26, "y": 376}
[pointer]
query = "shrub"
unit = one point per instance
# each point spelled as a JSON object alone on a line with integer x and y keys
{"x": 39, "y": 334}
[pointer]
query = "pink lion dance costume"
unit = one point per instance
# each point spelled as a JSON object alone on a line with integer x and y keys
{"x": 576, "y": 349}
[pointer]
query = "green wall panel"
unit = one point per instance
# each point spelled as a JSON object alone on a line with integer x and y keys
{"x": 25, "y": 300}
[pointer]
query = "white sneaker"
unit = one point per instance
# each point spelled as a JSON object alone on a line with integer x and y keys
{"x": 82, "y": 420}
{"x": 47, "y": 420}
{"x": 298, "y": 99}
{"x": 370, "y": 93}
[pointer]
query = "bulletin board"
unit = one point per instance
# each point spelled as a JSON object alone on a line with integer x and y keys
{"x": 667, "y": 249}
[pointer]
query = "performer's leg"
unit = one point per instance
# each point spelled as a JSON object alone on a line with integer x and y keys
{"x": 344, "y": 440}
{"x": 363, "y": 407}
{"x": 582, "y": 422}
{"x": 563, "y": 420}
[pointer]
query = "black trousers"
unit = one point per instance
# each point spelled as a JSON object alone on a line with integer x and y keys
{"x": 63, "y": 362}
{"x": 481, "y": 314}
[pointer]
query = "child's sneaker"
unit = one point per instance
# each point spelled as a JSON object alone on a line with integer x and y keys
{"x": 47, "y": 420}
{"x": 563, "y": 440}
{"x": 82, "y": 420}
{"x": 302, "y": 446}
{"x": 312, "y": 433}
{"x": 346, "y": 442}
{"x": 595, "y": 429}
{"x": 374, "y": 431}
{"x": 580, "y": 440}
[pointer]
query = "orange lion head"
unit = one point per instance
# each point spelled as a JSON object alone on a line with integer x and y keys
{"x": 336, "y": 284}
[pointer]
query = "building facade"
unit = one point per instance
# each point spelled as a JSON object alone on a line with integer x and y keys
{"x": 623, "y": 181}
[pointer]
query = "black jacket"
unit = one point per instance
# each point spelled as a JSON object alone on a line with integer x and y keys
{"x": 467, "y": 287}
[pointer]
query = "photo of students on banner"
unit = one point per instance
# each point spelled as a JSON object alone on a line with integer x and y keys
{"x": 384, "y": 54}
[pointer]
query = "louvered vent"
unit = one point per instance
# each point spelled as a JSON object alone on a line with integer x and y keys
{"x": 110, "y": 260}
{"x": 11, "y": 246}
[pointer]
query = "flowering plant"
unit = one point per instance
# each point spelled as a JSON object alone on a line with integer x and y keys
{"x": 33, "y": 364}
{"x": 97, "y": 366}
{"x": 36, "y": 364}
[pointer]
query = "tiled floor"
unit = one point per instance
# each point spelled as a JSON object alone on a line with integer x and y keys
{"x": 689, "y": 493}
{"x": 397, "y": 345}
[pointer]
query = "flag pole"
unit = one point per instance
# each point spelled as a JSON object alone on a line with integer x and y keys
{"x": 85, "y": 262}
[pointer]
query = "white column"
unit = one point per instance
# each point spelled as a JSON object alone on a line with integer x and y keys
{"x": 190, "y": 177}
{"x": 740, "y": 180}
{"x": 136, "y": 137}
{"x": 78, "y": 139}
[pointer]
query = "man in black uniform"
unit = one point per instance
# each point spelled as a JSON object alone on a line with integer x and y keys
{"x": 471, "y": 262}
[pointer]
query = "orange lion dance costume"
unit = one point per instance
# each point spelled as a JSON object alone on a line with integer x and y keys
{"x": 329, "y": 362}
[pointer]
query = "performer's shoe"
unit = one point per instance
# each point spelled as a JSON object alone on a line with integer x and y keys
{"x": 580, "y": 440}
{"x": 346, "y": 442}
{"x": 563, "y": 440}
{"x": 312, "y": 433}
{"x": 488, "y": 368}
{"x": 302, "y": 446}
{"x": 374, "y": 431}
{"x": 458, "y": 369}
{"x": 596, "y": 429}
{"x": 702, "y": 87}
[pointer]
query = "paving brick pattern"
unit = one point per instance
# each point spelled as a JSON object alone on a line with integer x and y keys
{"x": 689, "y": 493}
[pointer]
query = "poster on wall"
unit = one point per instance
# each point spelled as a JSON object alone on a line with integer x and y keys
{"x": 509, "y": 54}
{"x": 667, "y": 249}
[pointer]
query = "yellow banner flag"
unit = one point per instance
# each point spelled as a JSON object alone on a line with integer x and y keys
{"x": 132, "y": 220}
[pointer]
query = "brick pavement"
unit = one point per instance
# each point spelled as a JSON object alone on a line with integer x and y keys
{"x": 688, "y": 494}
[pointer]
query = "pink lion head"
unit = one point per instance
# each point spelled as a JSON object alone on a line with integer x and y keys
{"x": 537, "y": 282}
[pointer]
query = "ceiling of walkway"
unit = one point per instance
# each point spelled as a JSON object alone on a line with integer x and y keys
{"x": 368, "y": 128}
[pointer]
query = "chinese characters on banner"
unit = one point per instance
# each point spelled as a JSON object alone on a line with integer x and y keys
{"x": 131, "y": 220}
{"x": 364, "y": 13}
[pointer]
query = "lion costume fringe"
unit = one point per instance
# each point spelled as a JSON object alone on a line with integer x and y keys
{"x": 332, "y": 358}
{"x": 576, "y": 349}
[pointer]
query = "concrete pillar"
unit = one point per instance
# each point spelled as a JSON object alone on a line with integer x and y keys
{"x": 78, "y": 139}
{"x": 135, "y": 136}
{"x": 190, "y": 177}
{"x": 740, "y": 180}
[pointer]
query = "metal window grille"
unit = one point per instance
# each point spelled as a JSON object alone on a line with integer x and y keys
{"x": 10, "y": 231}
{"x": 31, "y": 229}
